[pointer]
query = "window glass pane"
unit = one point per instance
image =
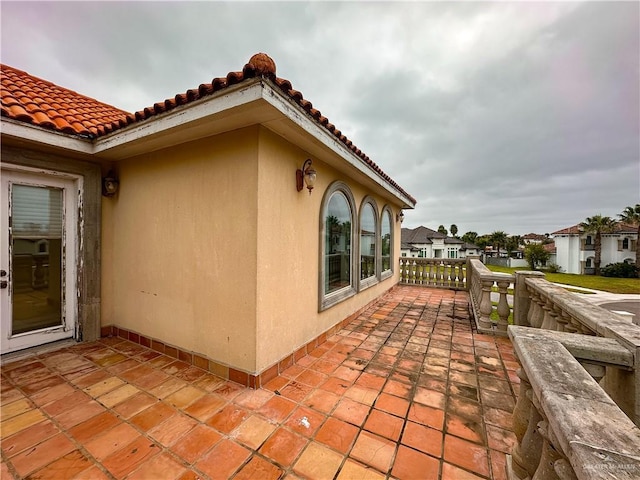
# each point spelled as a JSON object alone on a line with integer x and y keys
{"x": 36, "y": 211}
{"x": 36, "y": 257}
{"x": 385, "y": 233}
{"x": 367, "y": 242}
{"x": 337, "y": 243}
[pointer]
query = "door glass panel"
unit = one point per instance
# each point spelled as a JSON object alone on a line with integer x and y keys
{"x": 36, "y": 257}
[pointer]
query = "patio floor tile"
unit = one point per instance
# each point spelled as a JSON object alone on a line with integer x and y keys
{"x": 128, "y": 458}
{"x": 337, "y": 434}
{"x": 42, "y": 454}
{"x": 373, "y": 450}
{"x": 410, "y": 463}
{"x": 352, "y": 470}
{"x": 259, "y": 468}
{"x": 384, "y": 424}
{"x": 405, "y": 390}
{"x": 283, "y": 446}
{"x": 160, "y": 466}
{"x": 225, "y": 458}
{"x": 196, "y": 443}
{"x": 317, "y": 462}
{"x": 67, "y": 466}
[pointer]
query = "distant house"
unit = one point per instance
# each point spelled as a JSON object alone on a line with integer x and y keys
{"x": 575, "y": 248}
{"x": 427, "y": 243}
{"x": 186, "y": 227}
{"x": 533, "y": 238}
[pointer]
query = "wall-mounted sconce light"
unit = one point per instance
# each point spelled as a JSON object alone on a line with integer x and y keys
{"x": 110, "y": 184}
{"x": 306, "y": 175}
{"x": 400, "y": 216}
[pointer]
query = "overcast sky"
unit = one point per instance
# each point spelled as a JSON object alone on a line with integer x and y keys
{"x": 522, "y": 117}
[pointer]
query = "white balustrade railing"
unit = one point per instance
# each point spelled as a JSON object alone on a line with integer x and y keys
{"x": 433, "y": 272}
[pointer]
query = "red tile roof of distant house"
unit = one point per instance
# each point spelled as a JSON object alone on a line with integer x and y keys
{"x": 29, "y": 99}
{"x": 533, "y": 236}
{"x": 620, "y": 227}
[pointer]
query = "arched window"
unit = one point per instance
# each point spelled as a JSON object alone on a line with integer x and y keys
{"x": 368, "y": 242}
{"x": 386, "y": 241}
{"x": 337, "y": 275}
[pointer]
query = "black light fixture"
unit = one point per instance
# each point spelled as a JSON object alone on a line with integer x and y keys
{"x": 110, "y": 184}
{"x": 400, "y": 216}
{"x": 306, "y": 175}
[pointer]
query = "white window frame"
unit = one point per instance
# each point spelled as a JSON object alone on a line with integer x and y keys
{"x": 384, "y": 274}
{"x": 327, "y": 300}
{"x": 364, "y": 283}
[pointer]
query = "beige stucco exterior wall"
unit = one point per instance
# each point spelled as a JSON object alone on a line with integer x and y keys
{"x": 209, "y": 247}
{"x": 288, "y": 252}
{"x": 179, "y": 247}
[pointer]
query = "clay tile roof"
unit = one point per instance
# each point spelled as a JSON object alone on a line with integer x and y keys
{"x": 574, "y": 230}
{"x": 32, "y": 100}
{"x": 89, "y": 117}
{"x": 619, "y": 227}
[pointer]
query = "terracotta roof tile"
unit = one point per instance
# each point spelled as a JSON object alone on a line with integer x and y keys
{"x": 619, "y": 227}
{"x": 32, "y": 100}
{"x": 57, "y": 108}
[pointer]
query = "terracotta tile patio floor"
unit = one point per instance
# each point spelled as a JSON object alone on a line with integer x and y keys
{"x": 407, "y": 390}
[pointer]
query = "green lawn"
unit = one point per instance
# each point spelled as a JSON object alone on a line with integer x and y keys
{"x": 607, "y": 284}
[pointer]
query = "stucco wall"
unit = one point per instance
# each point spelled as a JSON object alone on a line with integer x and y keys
{"x": 209, "y": 247}
{"x": 288, "y": 250}
{"x": 179, "y": 247}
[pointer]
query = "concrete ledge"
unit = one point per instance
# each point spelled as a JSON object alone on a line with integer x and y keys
{"x": 589, "y": 429}
{"x": 600, "y": 350}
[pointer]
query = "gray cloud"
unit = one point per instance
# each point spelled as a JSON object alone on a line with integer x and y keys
{"x": 495, "y": 116}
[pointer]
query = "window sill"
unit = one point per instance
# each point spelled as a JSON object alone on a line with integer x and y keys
{"x": 367, "y": 282}
{"x": 336, "y": 297}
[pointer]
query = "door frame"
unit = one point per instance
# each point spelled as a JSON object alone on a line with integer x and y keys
{"x": 72, "y": 185}
{"x": 19, "y": 154}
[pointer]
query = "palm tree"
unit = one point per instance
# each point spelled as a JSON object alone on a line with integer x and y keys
{"x": 598, "y": 225}
{"x": 498, "y": 239}
{"x": 631, "y": 215}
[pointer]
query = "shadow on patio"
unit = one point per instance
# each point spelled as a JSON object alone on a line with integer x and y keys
{"x": 407, "y": 391}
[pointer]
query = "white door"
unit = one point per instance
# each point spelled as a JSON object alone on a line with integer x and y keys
{"x": 38, "y": 256}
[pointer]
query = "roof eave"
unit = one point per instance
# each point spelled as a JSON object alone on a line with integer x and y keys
{"x": 250, "y": 102}
{"x": 32, "y": 134}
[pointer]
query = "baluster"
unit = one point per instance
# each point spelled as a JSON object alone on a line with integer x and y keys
{"x": 503, "y": 305}
{"x": 522, "y": 410}
{"x": 562, "y": 319}
{"x": 549, "y": 455}
{"x": 549, "y": 322}
{"x": 419, "y": 268}
{"x": 536, "y": 312}
{"x": 413, "y": 272}
{"x": 526, "y": 455}
{"x": 433, "y": 272}
{"x": 485, "y": 304}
